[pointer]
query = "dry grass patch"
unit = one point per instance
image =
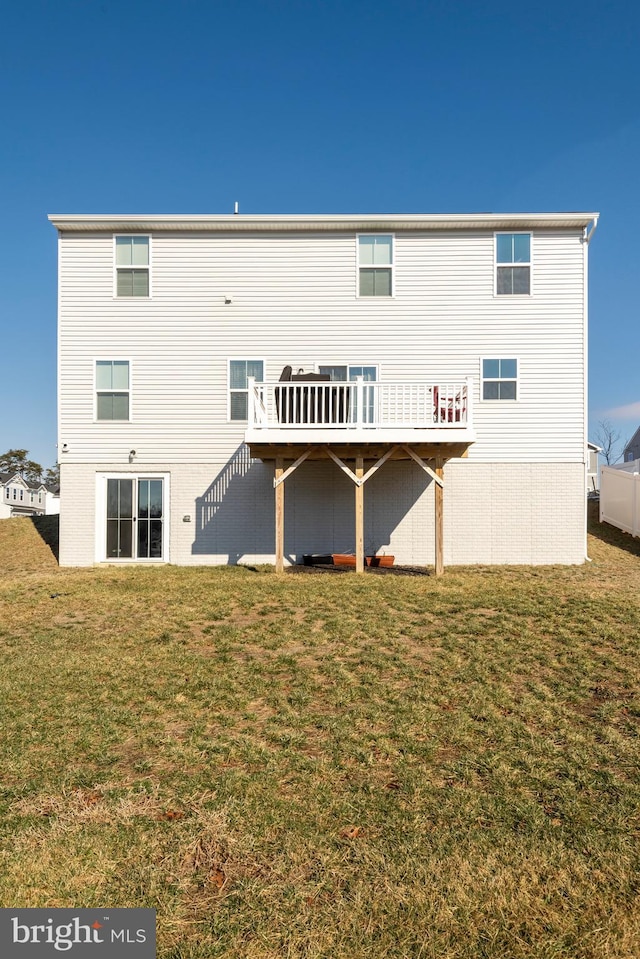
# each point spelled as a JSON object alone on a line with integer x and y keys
{"x": 327, "y": 766}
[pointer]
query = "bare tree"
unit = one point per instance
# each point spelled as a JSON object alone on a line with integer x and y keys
{"x": 610, "y": 442}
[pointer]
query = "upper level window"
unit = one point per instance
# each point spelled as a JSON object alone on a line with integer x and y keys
{"x": 375, "y": 265}
{"x": 499, "y": 379}
{"x": 239, "y": 372}
{"x": 132, "y": 266}
{"x": 341, "y": 373}
{"x": 513, "y": 263}
{"x": 112, "y": 390}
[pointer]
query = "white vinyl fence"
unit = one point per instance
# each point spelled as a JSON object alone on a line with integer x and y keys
{"x": 620, "y": 496}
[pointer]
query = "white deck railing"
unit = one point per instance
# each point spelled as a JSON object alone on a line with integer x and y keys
{"x": 359, "y": 405}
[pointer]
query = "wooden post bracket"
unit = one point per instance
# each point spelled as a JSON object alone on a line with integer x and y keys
{"x": 361, "y": 480}
{"x": 291, "y": 469}
{"x": 432, "y": 473}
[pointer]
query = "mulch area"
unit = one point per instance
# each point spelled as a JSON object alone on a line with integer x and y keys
{"x": 369, "y": 570}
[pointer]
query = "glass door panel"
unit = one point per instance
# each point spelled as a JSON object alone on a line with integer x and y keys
{"x": 150, "y": 517}
{"x": 119, "y": 519}
{"x": 122, "y": 541}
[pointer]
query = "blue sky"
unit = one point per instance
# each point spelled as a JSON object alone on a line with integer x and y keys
{"x": 314, "y": 106}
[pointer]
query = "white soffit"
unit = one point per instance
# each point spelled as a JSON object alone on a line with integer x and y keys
{"x": 241, "y": 222}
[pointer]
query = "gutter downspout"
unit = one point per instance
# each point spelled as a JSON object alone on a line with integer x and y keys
{"x": 588, "y": 233}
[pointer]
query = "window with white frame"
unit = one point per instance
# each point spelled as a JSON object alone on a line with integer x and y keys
{"x": 132, "y": 265}
{"x": 375, "y": 265}
{"x": 500, "y": 379}
{"x": 239, "y": 373}
{"x": 342, "y": 372}
{"x": 112, "y": 390}
{"x": 513, "y": 264}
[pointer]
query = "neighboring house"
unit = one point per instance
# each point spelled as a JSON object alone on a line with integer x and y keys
{"x": 21, "y": 498}
{"x": 632, "y": 449}
{"x": 593, "y": 452}
{"x": 445, "y": 362}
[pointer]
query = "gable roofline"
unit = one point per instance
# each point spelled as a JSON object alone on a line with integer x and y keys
{"x": 632, "y": 440}
{"x": 236, "y": 222}
{"x": 7, "y": 478}
{"x": 18, "y": 478}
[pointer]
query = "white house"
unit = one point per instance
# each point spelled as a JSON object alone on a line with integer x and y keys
{"x": 436, "y": 363}
{"x": 18, "y": 497}
{"x": 632, "y": 449}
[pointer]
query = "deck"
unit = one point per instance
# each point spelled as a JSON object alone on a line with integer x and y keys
{"x": 356, "y": 423}
{"x": 360, "y": 414}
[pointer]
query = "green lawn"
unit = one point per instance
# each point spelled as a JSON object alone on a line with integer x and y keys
{"x": 331, "y": 766}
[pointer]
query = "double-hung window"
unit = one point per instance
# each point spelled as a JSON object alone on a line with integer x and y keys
{"x": 132, "y": 265}
{"x": 375, "y": 265}
{"x": 239, "y": 373}
{"x": 513, "y": 263}
{"x": 112, "y": 389}
{"x": 500, "y": 379}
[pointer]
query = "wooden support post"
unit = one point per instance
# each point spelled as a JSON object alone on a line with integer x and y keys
{"x": 279, "y": 516}
{"x": 359, "y": 516}
{"x": 439, "y": 525}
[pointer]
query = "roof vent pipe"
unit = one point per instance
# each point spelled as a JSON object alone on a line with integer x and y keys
{"x": 235, "y": 207}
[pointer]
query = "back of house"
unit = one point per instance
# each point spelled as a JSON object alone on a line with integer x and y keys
{"x": 416, "y": 384}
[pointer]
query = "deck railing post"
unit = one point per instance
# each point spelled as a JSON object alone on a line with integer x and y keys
{"x": 359, "y": 401}
{"x": 359, "y": 509}
{"x": 251, "y": 401}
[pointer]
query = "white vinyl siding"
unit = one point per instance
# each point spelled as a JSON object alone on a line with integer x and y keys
{"x": 293, "y": 303}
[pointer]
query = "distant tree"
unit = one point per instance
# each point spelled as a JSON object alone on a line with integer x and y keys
{"x": 610, "y": 442}
{"x": 52, "y": 475}
{"x": 17, "y": 461}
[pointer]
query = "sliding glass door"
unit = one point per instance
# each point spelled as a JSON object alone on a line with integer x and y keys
{"x": 135, "y": 518}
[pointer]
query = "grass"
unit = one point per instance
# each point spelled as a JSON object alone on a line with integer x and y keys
{"x": 327, "y": 766}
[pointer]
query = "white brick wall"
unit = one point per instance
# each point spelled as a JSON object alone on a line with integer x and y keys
{"x": 520, "y": 513}
{"x": 77, "y": 514}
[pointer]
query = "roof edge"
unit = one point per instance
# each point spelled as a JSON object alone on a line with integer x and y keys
{"x": 247, "y": 222}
